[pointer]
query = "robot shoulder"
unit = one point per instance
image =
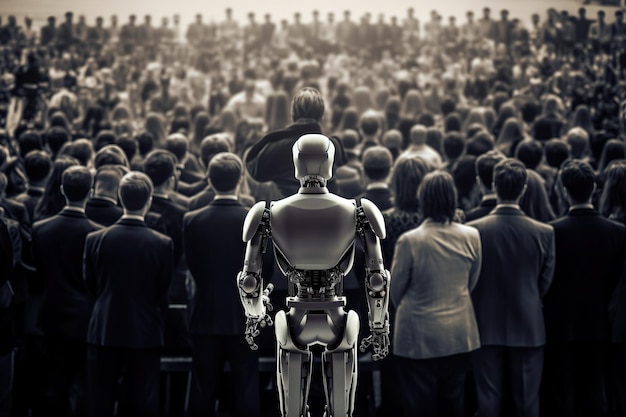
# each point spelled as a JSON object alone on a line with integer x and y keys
{"x": 253, "y": 220}
{"x": 375, "y": 217}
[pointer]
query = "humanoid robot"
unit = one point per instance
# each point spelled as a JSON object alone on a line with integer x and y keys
{"x": 314, "y": 236}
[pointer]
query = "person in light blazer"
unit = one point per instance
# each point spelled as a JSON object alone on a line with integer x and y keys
{"x": 434, "y": 269}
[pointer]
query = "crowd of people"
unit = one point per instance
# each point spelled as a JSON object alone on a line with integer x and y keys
{"x": 131, "y": 153}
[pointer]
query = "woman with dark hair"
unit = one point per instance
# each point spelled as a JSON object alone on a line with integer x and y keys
{"x": 507, "y": 110}
{"x": 510, "y": 136}
{"x": 198, "y": 131}
{"x": 155, "y": 124}
{"x": 549, "y": 124}
{"x": 434, "y": 269}
{"x": 52, "y": 200}
{"x": 612, "y": 150}
{"x": 349, "y": 120}
{"x": 613, "y": 197}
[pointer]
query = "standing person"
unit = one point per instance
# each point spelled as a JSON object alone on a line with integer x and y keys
{"x": 517, "y": 269}
{"x": 434, "y": 269}
{"x": 58, "y": 246}
{"x": 590, "y": 253}
{"x": 270, "y": 159}
{"x": 128, "y": 267}
{"x": 215, "y": 320}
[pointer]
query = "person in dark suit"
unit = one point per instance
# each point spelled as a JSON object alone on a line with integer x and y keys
{"x": 484, "y": 177}
{"x": 377, "y": 162}
{"x": 590, "y": 252}
{"x": 270, "y": 158}
{"x": 160, "y": 166}
{"x": 216, "y": 323}
{"x": 517, "y": 269}
{"x": 103, "y": 207}
{"x": 617, "y": 315}
{"x": 128, "y": 268}
{"x": 58, "y": 246}
{"x": 37, "y": 166}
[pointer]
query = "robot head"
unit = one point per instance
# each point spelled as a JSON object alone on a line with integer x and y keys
{"x": 313, "y": 157}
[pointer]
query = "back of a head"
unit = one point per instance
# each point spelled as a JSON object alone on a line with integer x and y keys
{"x": 82, "y": 149}
{"x": 212, "y": 145}
{"x": 556, "y": 151}
{"x": 159, "y": 165}
{"x": 452, "y": 122}
{"x": 377, "y": 162}
{"x": 177, "y": 144}
{"x": 313, "y": 157}
{"x": 104, "y": 138}
{"x": 418, "y": 135}
{"x": 307, "y": 103}
{"x": 479, "y": 144}
{"x": 578, "y": 141}
{"x": 76, "y": 182}
{"x": 509, "y": 178}
{"x": 448, "y": 105}
{"x": 612, "y": 150}
{"x": 37, "y": 165}
{"x": 29, "y": 141}
{"x": 392, "y": 139}
{"x": 485, "y": 164}
{"x": 369, "y": 122}
{"x": 225, "y": 170}
{"x": 579, "y": 179}
{"x": 349, "y": 139}
{"x": 56, "y": 137}
{"x": 453, "y": 145}
{"x": 111, "y": 155}
{"x": 135, "y": 190}
{"x": 107, "y": 180}
{"x": 145, "y": 142}
{"x": 405, "y": 180}
{"x": 530, "y": 153}
{"x": 437, "y": 196}
{"x": 128, "y": 145}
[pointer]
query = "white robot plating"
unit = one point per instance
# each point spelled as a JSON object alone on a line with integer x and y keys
{"x": 314, "y": 234}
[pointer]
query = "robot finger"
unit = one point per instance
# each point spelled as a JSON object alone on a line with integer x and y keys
{"x": 268, "y": 290}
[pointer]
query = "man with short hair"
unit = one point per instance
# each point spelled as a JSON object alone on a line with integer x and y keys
{"x": 37, "y": 166}
{"x": 128, "y": 268}
{"x": 484, "y": 177}
{"x": 590, "y": 252}
{"x": 270, "y": 159}
{"x": 377, "y": 163}
{"x": 215, "y": 320}
{"x": 517, "y": 269}
{"x": 58, "y": 246}
{"x": 419, "y": 149}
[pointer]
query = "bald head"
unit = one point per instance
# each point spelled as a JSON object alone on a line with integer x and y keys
{"x": 418, "y": 135}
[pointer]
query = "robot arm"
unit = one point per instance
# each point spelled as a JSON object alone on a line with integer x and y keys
{"x": 255, "y": 300}
{"x": 371, "y": 227}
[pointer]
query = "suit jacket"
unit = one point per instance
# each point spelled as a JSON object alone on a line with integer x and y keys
{"x": 434, "y": 269}
{"x": 206, "y": 196}
{"x": 485, "y": 207}
{"x": 215, "y": 252}
{"x": 128, "y": 268}
{"x": 30, "y": 198}
{"x": 590, "y": 254}
{"x": 517, "y": 269}
{"x": 271, "y": 158}
{"x": 381, "y": 197}
{"x": 58, "y": 246}
{"x": 106, "y": 213}
{"x": 172, "y": 215}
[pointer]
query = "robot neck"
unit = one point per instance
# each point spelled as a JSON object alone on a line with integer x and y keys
{"x": 313, "y": 184}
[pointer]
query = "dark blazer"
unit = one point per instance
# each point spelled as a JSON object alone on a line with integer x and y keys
{"x": 590, "y": 254}
{"x": 381, "y": 197}
{"x": 271, "y": 158}
{"x": 30, "y": 198}
{"x": 128, "y": 267}
{"x": 172, "y": 215}
{"x": 485, "y": 207}
{"x": 106, "y": 213}
{"x": 215, "y": 252}
{"x": 58, "y": 246}
{"x": 206, "y": 196}
{"x": 517, "y": 269}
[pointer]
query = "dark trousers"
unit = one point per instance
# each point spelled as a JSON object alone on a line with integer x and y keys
{"x": 138, "y": 394}
{"x": 501, "y": 368}
{"x": 574, "y": 380}
{"x": 209, "y": 354}
{"x": 619, "y": 378}
{"x": 67, "y": 376}
{"x": 433, "y": 387}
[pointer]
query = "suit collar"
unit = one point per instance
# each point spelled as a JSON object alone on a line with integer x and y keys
{"x": 584, "y": 212}
{"x": 101, "y": 202}
{"x": 131, "y": 222}
{"x": 72, "y": 213}
{"x": 225, "y": 202}
{"x": 508, "y": 211}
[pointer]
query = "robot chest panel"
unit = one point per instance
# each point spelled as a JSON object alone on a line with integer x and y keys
{"x": 313, "y": 239}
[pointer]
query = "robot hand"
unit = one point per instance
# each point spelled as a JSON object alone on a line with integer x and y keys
{"x": 263, "y": 320}
{"x": 379, "y": 339}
